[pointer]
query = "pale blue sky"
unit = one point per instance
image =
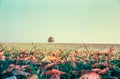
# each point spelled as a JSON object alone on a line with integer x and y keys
{"x": 68, "y": 21}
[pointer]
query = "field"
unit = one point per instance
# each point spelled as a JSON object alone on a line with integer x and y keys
{"x": 59, "y": 61}
{"x": 62, "y": 45}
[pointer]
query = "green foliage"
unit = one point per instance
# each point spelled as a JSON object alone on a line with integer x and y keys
{"x": 66, "y": 67}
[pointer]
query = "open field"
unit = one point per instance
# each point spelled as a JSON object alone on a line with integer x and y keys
{"x": 59, "y": 61}
{"x": 63, "y": 46}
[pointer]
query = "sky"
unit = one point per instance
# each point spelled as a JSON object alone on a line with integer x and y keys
{"x": 68, "y": 21}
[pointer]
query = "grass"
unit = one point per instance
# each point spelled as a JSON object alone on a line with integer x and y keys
{"x": 73, "y": 62}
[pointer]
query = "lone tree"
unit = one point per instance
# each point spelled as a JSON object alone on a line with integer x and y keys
{"x": 51, "y": 39}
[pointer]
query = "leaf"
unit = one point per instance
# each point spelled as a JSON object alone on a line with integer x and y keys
{"x": 56, "y": 76}
{"x": 19, "y": 72}
{"x": 50, "y": 65}
{"x": 103, "y": 71}
{"x": 2, "y": 57}
{"x": 91, "y": 75}
{"x": 94, "y": 65}
{"x": 33, "y": 77}
{"x": 8, "y": 70}
{"x": 25, "y": 66}
{"x": 12, "y": 77}
{"x": 80, "y": 72}
{"x": 54, "y": 71}
{"x": 51, "y": 59}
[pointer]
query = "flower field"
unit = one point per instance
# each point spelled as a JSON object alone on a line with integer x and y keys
{"x": 57, "y": 63}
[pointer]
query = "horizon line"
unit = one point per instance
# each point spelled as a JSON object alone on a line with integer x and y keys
{"x": 62, "y": 42}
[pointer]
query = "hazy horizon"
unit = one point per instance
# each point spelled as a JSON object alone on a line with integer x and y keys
{"x": 68, "y": 21}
